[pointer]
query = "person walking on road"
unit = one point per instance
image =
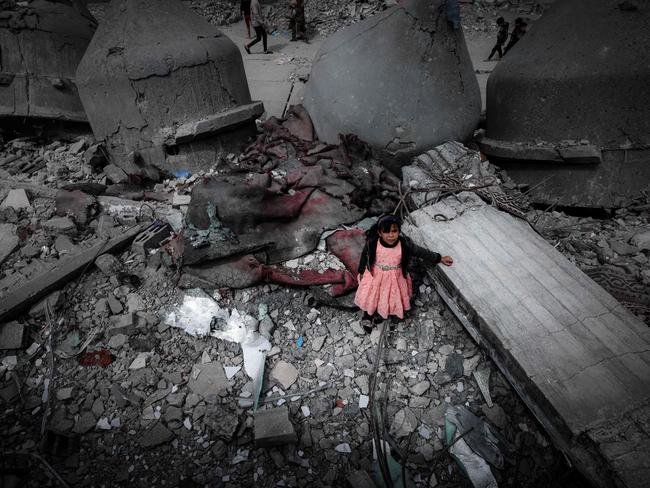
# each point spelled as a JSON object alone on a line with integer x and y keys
{"x": 502, "y": 37}
{"x": 245, "y": 8}
{"x": 297, "y": 20}
{"x": 259, "y": 21}
{"x": 516, "y": 34}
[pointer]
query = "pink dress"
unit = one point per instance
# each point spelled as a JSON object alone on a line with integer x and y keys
{"x": 385, "y": 291}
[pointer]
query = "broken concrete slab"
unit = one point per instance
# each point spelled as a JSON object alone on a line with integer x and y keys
{"x": 16, "y": 199}
{"x": 420, "y": 53}
{"x": 122, "y": 324}
{"x": 23, "y": 297}
{"x": 12, "y": 335}
{"x": 284, "y": 373}
{"x": 273, "y": 427}
{"x": 208, "y": 379}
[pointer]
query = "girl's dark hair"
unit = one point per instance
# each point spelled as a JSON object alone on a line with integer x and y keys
{"x": 383, "y": 224}
{"x": 500, "y": 20}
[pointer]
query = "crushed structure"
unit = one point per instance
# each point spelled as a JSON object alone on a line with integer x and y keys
{"x": 574, "y": 124}
{"x": 165, "y": 90}
{"x": 42, "y": 43}
{"x": 402, "y": 80}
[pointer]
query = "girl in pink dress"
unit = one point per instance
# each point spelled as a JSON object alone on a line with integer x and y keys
{"x": 385, "y": 287}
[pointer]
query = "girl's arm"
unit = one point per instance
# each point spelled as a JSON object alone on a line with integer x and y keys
{"x": 363, "y": 262}
{"x": 424, "y": 253}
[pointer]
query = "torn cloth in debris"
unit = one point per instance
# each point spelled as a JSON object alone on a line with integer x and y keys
{"x": 282, "y": 193}
{"x": 245, "y": 271}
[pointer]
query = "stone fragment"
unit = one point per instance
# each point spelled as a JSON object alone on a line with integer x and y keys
{"x": 324, "y": 372}
{"x": 358, "y": 330}
{"x": 16, "y": 199}
{"x": 108, "y": 264}
{"x": 179, "y": 199}
{"x": 115, "y": 174}
{"x": 404, "y": 423}
{"x": 211, "y": 380}
{"x": 420, "y": 388}
{"x": 362, "y": 383}
{"x": 622, "y": 248}
{"x": 8, "y": 241}
{"x": 135, "y": 303}
{"x": 273, "y": 427}
{"x": 140, "y": 361}
{"x": 285, "y": 374}
{"x": 114, "y": 304}
{"x": 641, "y": 240}
{"x": 12, "y": 335}
{"x": 60, "y": 225}
{"x": 317, "y": 343}
{"x": 64, "y": 245}
{"x": 343, "y": 448}
{"x": 454, "y": 365}
{"x": 64, "y": 393}
{"x": 469, "y": 365}
{"x": 122, "y": 324}
{"x": 173, "y": 414}
{"x": 155, "y": 436}
{"x": 495, "y": 415}
{"x": 85, "y": 423}
{"x": 117, "y": 341}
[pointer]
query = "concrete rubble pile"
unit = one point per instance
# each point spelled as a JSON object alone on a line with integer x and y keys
{"x": 42, "y": 43}
{"x": 172, "y": 406}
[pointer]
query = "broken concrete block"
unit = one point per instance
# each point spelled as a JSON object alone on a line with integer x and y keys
{"x": 86, "y": 422}
{"x": 641, "y": 241}
{"x": 114, "y": 304}
{"x": 64, "y": 393}
{"x": 16, "y": 199}
{"x": 136, "y": 135}
{"x": 116, "y": 174}
{"x": 60, "y": 225}
{"x": 122, "y": 324}
{"x": 420, "y": 53}
{"x": 208, "y": 379}
{"x": 273, "y": 427}
{"x": 12, "y": 335}
{"x": 8, "y": 240}
{"x": 108, "y": 264}
{"x": 285, "y": 374}
{"x": 404, "y": 423}
{"x": 64, "y": 245}
{"x": 155, "y": 436}
{"x": 80, "y": 206}
{"x": 151, "y": 238}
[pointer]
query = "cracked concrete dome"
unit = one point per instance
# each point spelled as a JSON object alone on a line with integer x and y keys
{"x": 575, "y": 91}
{"x": 153, "y": 67}
{"x": 401, "y": 80}
{"x": 41, "y": 44}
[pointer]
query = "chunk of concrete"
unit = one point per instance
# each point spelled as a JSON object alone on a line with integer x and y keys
{"x": 211, "y": 380}
{"x": 158, "y": 434}
{"x": 122, "y": 324}
{"x": 428, "y": 93}
{"x": 273, "y": 427}
{"x": 16, "y": 199}
{"x": 8, "y": 241}
{"x": 60, "y": 225}
{"x": 285, "y": 374}
{"x": 12, "y": 335}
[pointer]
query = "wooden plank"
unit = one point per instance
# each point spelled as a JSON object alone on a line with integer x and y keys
{"x": 23, "y": 297}
{"x": 579, "y": 360}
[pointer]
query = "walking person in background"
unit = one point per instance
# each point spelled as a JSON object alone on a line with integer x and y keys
{"x": 245, "y": 8}
{"x": 297, "y": 20}
{"x": 516, "y": 34}
{"x": 259, "y": 21}
{"x": 502, "y": 37}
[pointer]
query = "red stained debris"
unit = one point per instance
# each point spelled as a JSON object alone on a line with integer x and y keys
{"x": 96, "y": 358}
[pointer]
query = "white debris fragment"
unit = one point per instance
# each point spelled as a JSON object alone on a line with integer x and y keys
{"x": 231, "y": 371}
{"x": 194, "y": 315}
{"x": 187, "y": 423}
{"x": 140, "y": 361}
{"x": 205, "y": 358}
{"x": 344, "y": 448}
{"x": 363, "y": 401}
{"x": 424, "y": 431}
{"x": 305, "y": 410}
{"x": 103, "y": 424}
{"x": 241, "y": 456}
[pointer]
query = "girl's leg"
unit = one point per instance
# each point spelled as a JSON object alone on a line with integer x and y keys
{"x": 247, "y": 19}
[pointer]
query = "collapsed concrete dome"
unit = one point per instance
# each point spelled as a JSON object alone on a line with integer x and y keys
{"x": 401, "y": 80}
{"x": 41, "y": 44}
{"x": 568, "y": 109}
{"x": 164, "y": 89}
